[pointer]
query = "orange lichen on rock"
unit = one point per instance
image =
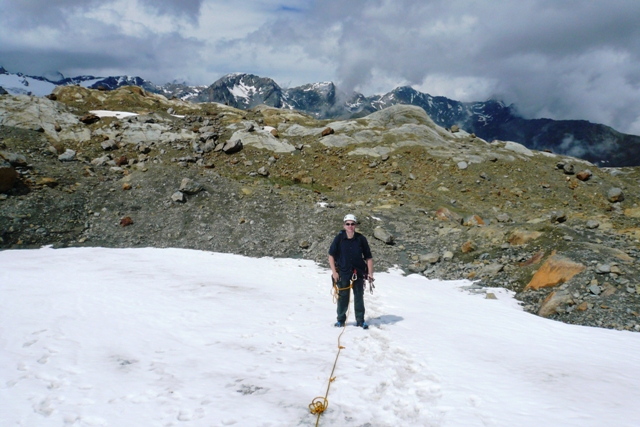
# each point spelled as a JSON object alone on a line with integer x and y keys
{"x": 554, "y": 271}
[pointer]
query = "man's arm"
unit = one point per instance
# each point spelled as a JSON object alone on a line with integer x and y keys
{"x": 370, "y": 268}
{"x": 334, "y": 272}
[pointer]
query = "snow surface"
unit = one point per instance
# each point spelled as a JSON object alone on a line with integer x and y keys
{"x": 108, "y": 113}
{"x": 174, "y": 337}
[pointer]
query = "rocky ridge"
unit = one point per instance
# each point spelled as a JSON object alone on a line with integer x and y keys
{"x": 559, "y": 231}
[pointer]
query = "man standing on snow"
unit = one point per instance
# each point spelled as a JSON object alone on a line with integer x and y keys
{"x": 349, "y": 257}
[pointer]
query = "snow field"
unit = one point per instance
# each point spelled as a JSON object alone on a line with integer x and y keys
{"x": 171, "y": 337}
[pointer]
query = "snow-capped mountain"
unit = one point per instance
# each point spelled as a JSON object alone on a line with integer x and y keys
{"x": 490, "y": 119}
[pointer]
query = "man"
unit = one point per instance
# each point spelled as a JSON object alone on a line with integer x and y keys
{"x": 350, "y": 255}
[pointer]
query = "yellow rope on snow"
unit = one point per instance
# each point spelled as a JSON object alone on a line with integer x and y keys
{"x": 320, "y": 404}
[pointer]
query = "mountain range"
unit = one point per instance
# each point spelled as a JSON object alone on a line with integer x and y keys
{"x": 490, "y": 120}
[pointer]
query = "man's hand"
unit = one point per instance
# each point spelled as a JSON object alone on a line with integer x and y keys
{"x": 335, "y": 276}
{"x": 371, "y": 277}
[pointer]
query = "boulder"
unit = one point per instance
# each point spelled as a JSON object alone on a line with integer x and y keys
{"x": 100, "y": 161}
{"x": 473, "y": 220}
{"x": 455, "y": 129}
{"x": 558, "y": 216}
{"x": 109, "y": 144}
{"x": 520, "y": 237}
{"x": 8, "y": 176}
{"x": 14, "y": 159}
{"x": 189, "y": 186}
{"x": 467, "y": 247}
{"x": 463, "y": 165}
{"x": 592, "y": 224}
{"x": 328, "y": 131}
{"x": 263, "y": 171}
{"x": 126, "y": 221}
{"x": 445, "y": 214}
{"x": 383, "y": 235}
{"x": 615, "y": 195}
{"x": 556, "y": 270}
{"x": 584, "y": 175}
{"x": 569, "y": 169}
{"x": 49, "y": 182}
{"x": 88, "y": 119}
{"x": 490, "y": 270}
{"x": 209, "y": 146}
{"x": 68, "y": 156}
{"x": 553, "y": 301}
{"x": 430, "y": 258}
{"x": 178, "y": 197}
{"x": 231, "y": 147}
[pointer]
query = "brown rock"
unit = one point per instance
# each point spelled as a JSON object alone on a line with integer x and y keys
{"x": 533, "y": 260}
{"x": 60, "y": 148}
{"x": 328, "y": 131}
{"x": 520, "y": 237}
{"x": 556, "y": 270}
{"x": 455, "y": 128}
{"x": 584, "y": 175}
{"x": 473, "y": 220}
{"x": 467, "y": 247}
{"x": 632, "y": 212}
{"x": 122, "y": 160}
{"x": 553, "y": 301}
{"x": 88, "y": 119}
{"x": 57, "y": 127}
{"x": 583, "y": 306}
{"x": 126, "y": 186}
{"x": 49, "y": 182}
{"x": 445, "y": 214}
{"x": 8, "y": 176}
{"x": 126, "y": 221}
{"x": 275, "y": 133}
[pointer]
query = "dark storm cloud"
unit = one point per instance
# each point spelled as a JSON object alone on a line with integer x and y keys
{"x": 54, "y": 13}
{"x": 559, "y": 59}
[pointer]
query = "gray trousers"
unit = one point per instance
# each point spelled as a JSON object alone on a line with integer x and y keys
{"x": 358, "y": 299}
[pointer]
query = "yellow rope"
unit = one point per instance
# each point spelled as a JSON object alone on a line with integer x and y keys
{"x": 320, "y": 404}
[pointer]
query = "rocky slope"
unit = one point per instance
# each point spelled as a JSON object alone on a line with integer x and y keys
{"x": 557, "y": 230}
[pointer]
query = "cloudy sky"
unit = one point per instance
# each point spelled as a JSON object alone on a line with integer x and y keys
{"x": 563, "y": 59}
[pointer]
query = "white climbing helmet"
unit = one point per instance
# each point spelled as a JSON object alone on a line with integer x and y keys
{"x": 350, "y": 217}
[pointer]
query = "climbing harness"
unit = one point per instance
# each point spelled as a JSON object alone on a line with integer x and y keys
{"x": 320, "y": 404}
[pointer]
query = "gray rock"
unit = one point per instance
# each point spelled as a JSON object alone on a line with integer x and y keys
{"x": 190, "y": 186}
{"x": 144, "y": 149}
{"x": 178, "y": 197}
{"x": 592, "y": 224}
{"x": 462, "y": 165}
{"x": 208, "y": 136}
{"x": 14, "y": 159}
{"x": 67, "y": 156}
{"x": 171, "y": 111}
{"x": 231, "y": 147}
{"x": 569, "y": 169}
{"x": 431, "y": 258}
{"x": 603, "y": 268}
{"x": 503, "y": 217}
{"x": 383, "y": 235}
{"x": 209, "y": 146}
{"x": 615, "y": 195}
{"x": 263, "y": 171}
{"x": 304, "y": 244}
{"x": 100, "y": 161}
{"x": 491, "y": 270}
{"x": 558, "y": 216}
{"x": 109, "y": 144}
{"x": 447, "y": 256}
{"x": 594, "y": 289}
